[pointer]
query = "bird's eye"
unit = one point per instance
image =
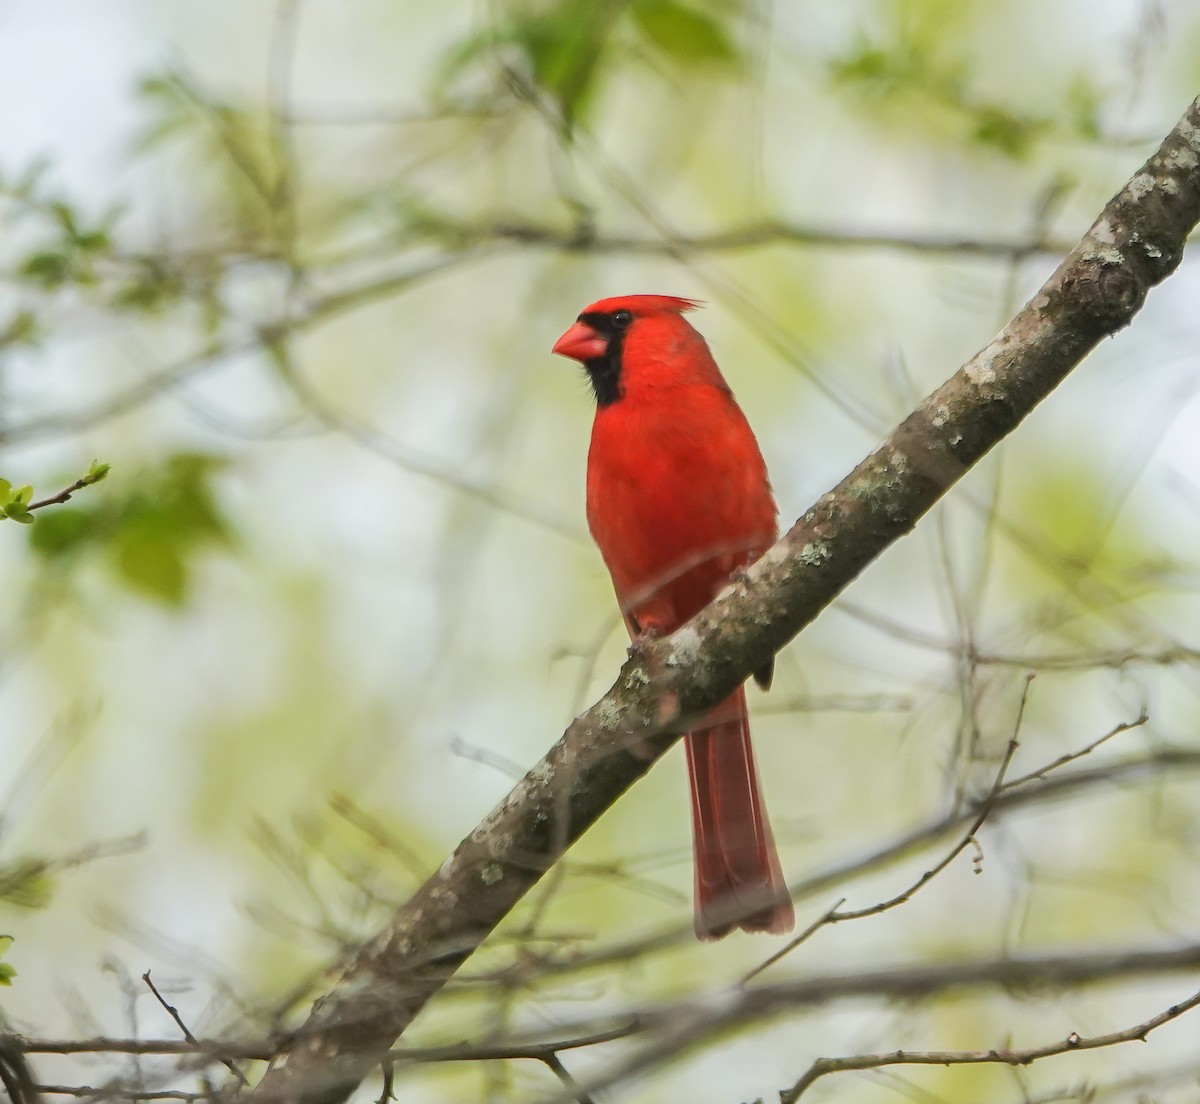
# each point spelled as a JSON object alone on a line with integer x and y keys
{"x": 621, "y": 319}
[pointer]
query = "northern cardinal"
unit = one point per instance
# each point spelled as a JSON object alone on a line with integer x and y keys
{"x": 678, "y": 500}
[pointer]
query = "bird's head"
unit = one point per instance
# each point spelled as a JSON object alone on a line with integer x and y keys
{"x": 602, "y": 336}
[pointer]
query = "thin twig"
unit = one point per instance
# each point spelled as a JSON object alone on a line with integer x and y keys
{"x": 1070, "y": 757}
{"x": 1071, "y": 1043}
{"x": 755, "y": 236}
{"x": 836, "y": 916}
{"x": 1163, "y": 657}
{"x": 62, "y": 496}
{"x": 118, "y": 1093}
{"x": 173, "y": 1012}
{"x": 14, "y": 1072}
{"x": 792, "y": 944}
{"x": 263, "y": 1049}
{"x": 560, "y": 1071}
{"x": 674, "y": 1029}
{"x": 966, "y": 841}
{"x": 925, "y": 835}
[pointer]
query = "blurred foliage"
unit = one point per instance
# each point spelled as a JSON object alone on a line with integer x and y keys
{"x": 26, "y": 883}
{"x": 913, "y": 72}
{"x": 65, "y": 255}
{"x": 567, "y": 49}
{"x": 255, "y": 189}
{"x": 1090, "y": 536}
{"x": 68, "y": 247}
{"x": 7, "y": 973}
{"x": 69, "y": 259}
{"x": 150, "y": 533}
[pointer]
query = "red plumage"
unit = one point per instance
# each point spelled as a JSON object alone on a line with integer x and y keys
{"x": 677, "y": 500}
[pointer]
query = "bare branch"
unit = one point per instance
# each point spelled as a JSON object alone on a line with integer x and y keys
{"x": 1008, "y": 1057}
{"x": 1040, "y": 791}
{"x": 674, "y": 1028}
{"x": 836, "y": 916}
{"x": 261, "y": 1049}
{"x": 1073, "y": 756}
{"x": 756, "y": 235}
{"x": 555, "y": 1065}
{"x": 98, "y": 1093}
{"x": 534, "y": 1049}
{"x": 679, "y": 1027}
{"x": 173, "y": 1012}
{"x": 14, "y": 1072}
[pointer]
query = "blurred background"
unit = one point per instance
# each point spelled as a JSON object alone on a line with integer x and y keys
{"x": 294, "y": 269}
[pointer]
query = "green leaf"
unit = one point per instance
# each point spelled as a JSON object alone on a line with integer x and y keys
{"x": 23, "y": 495}
{"x": 561, "y": 47}
{"x": 61, "y": 532}
{"x": 151, "y": 536}
{"x": 5, "y": 492}
{"x": 22, "y": 329}
{"x": 26, "y": 884}
{"x": 564, "y": 48}
{"x": 868, "y": 65}
{"x": 48, "y": 268}
{"x": 683, "y": 33}
{"x": 1083, "y": 107}
{"x": 65, "y": 217}
{"x": 93, "y": 241}
{"x": 153, "y": 287}
{"x": 168, "y": 111}
{"x": 153, "y": 564}
{"x": 160, "y": 529}
{"x": 1009, "y": 132}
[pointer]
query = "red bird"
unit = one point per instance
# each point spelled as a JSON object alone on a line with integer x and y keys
{"x": 678, "y": 500}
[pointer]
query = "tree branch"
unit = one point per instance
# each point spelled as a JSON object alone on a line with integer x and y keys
{"x": 751, "y": 236}
{"x": 1136, "y": 242}
{"x": 1008, "y": 1056}
{"x": 173, "y": 1012}
{"x": 673, "y": 1027}
{"x": 836, "y": 915}
{"x": 677, "y": 1026}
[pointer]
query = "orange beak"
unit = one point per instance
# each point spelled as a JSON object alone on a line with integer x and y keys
{"x": 581, "y": 343}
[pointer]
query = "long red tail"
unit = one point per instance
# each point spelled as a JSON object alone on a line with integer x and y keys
{"x": 739, "y": 883}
